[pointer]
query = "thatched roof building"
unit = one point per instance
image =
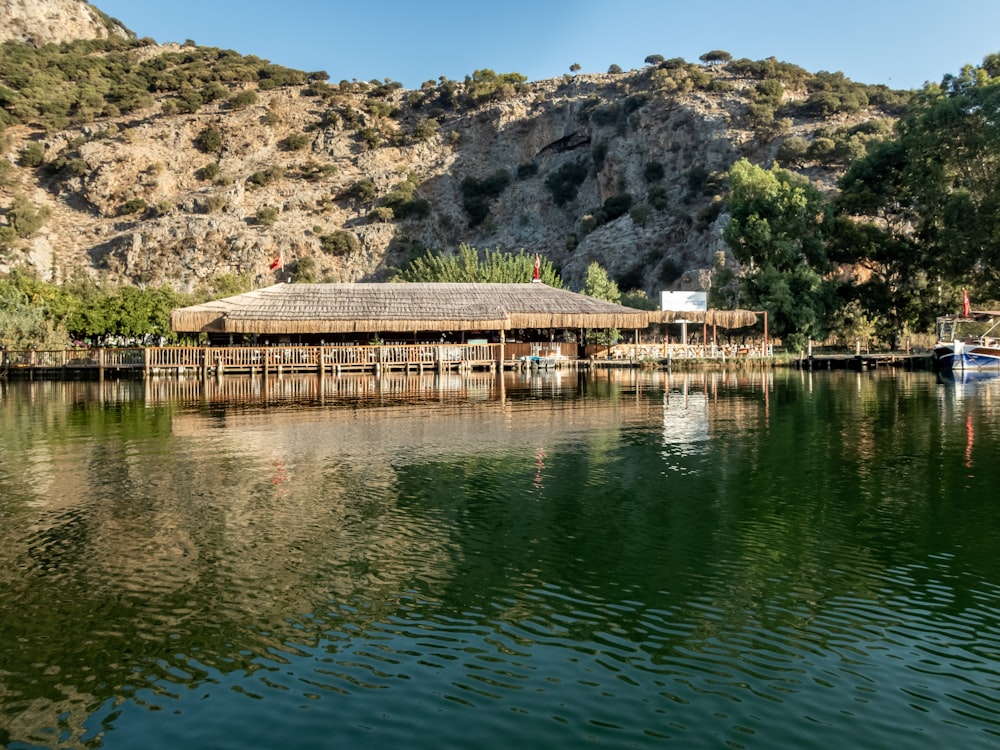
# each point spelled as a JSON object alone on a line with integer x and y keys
{"x": 290, "y": 309}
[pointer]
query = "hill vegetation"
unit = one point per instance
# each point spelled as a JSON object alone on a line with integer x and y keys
{"x": 845, "y": 209}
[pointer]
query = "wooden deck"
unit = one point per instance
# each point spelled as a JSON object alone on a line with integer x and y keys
{"x": 266, "y": 360}
{"x": 861, "y": 362}
{"x": 179, "y": 360}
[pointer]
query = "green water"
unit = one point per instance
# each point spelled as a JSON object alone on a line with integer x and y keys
{"x": 744, "y": 560}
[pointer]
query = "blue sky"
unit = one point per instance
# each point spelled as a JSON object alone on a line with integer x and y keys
{"x": 901, "y": 43}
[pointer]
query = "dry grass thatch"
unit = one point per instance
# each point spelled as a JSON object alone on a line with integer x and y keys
{"x": 721, "y": 318}
{"x": 370, "y": 308}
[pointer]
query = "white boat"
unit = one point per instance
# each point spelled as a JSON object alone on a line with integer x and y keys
{"x": 967, "y": 342}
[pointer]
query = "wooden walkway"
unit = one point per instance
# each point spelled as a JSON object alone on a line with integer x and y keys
{"x": 205, "y": 361}
{"x": 861, "y": 362}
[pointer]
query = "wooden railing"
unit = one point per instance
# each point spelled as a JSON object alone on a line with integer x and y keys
{"x": 250, "y": 358}
{"x": 662, "y": 351}
{"x": 351, "y": 357}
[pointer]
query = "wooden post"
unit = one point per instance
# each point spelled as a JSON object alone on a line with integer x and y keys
{"x": 100, "y": 363}
{"x": 145, "y": 362}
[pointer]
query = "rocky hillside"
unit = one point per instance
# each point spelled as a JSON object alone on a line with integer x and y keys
{"x": 213, "y": 175}
{"x": 37, "y": 22}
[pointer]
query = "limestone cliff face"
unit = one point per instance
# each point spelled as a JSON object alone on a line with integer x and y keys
{"x": 39, "y": 22}
{"x": 135, "y": 198}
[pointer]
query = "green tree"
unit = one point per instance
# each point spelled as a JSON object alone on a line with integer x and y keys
{"x": 778, "y": 232}
{"x": 230, "y": 284}
{"x": 597, "y": 284}
{"x": 25, "y": 322}
{"x": 467, "y": 266}
{"x": 921, "y": 212}
{"x": 793, "y": 150}
{"x": 716, "y": 57}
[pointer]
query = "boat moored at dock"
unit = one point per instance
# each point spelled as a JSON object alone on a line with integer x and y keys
{"x": 968, "y": 342}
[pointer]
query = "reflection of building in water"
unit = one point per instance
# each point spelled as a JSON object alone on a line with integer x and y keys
{"x": 250, "y": 389}
{"x": 700, "y": 405}
{"x": 685, "y": 417}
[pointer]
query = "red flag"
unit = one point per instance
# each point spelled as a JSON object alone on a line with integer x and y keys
{"x": 538, "y": 263}
{"x": 965, "y": 303}
{"x": 279, "y": 261}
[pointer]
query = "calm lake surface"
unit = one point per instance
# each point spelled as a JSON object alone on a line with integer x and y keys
{"x": 740, "y": 559}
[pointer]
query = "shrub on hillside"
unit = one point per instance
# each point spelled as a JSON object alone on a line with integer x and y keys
{"x": 209, "y": 140}
{"x": 266, "y": 215}
{"x": 32, "y": 155}
{"x": 208, "y": 172}
{"x": 564, "y": 183}
{"x": 133, "y": 206}
{"x": 242, "y": 100}
{"x": 295, "y": 142}
{"x": 339, "y": 243}
{"x": 477, "y": 195}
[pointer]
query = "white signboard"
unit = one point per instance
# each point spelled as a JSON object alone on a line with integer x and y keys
{"x": 684, "y": 301}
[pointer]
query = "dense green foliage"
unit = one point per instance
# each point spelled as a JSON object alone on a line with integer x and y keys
{"x": 779, "y": 227}
{"x": 597, "y": 284}
{"x": 59, "y": 85}
{"x": 921, "y": 213}
{"x": 23, "y": 219}
{"x": 565, "y": 181}
{"x": 478, "y": 194}
{"x": 468, "y": 265}
{"x": 402, "y": 201}
{"x": 485, "y": 85}
{"x": 34, "y": 313}
{"x": 339, "y": 243}
{"x": 916, "y": 220}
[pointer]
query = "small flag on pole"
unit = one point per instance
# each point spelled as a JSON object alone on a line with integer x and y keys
{"x": 279, "y": 261}
{"x": 966, "y": 307}
{"x": 538, "y": 264}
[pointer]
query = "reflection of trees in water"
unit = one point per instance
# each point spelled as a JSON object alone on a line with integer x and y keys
{"x": 204, "y": 539}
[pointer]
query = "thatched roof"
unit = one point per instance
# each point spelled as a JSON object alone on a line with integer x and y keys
{"x": 368, "y": 308}
{"x": 721, "y": 318}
